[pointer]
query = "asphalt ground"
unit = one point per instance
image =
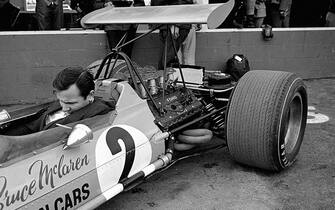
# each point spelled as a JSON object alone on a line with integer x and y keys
{"x": 214, "y": 181}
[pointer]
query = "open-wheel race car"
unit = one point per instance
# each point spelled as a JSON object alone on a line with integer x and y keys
{"x": 159, "y": 116}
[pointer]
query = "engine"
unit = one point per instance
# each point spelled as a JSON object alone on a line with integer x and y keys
{"x": 175, "y": 104}
{"x": 178, "y": 106}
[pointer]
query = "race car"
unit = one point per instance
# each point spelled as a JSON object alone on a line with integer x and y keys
{"x": 159, "y": 116}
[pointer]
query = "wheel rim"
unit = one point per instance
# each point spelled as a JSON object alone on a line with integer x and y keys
{"x": 293, "y": 123}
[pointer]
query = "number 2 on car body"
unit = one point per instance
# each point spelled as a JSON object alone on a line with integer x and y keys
{"x": 121, "y": 151}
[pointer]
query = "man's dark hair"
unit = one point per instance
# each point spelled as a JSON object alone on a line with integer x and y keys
{"x": 74, "y": 75}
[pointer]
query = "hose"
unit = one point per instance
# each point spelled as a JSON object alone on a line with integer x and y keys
{"x": 189, "y": 139}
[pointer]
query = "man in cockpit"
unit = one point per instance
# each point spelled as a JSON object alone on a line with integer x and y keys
{"x": 74, "y": 89}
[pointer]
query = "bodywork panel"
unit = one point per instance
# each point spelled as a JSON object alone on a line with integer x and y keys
{"x": 56, "y": 178}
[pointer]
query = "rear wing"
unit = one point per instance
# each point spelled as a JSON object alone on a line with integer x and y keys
{"x": 211, "y": 14}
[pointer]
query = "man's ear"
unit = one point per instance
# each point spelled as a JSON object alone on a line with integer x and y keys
{"x": 91, "y": 96}
{"x": 91, "y": 93}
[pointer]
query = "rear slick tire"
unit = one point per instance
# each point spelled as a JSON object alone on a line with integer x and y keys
{"x": 266, "y": 119}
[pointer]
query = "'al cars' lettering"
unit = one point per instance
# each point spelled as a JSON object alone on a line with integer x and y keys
{"x": 70, "y": 200}
{"x": 112, "y": 137}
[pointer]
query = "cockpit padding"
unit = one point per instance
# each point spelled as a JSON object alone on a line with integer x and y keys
{"x": 12, "y": 147}
{"x": 107, "y": 90}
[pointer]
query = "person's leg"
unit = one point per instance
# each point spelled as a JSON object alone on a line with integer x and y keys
{"x": 183, "y": 33}
{"x": 275, "y": 16}
{"x": 259, "y": 22}
{"x": 330, "y": 19}
{"x": 171, "y": 54}
{"x": 260, "y": 14}
{"x": 42, "y": 15}
{"x": 131, "y": 34}
{"x": 286, "y": 21}
{"x": 113, "y": 38}
{"x": 181, "y": 52}
{"x": 250, "y": 12}
{"x": 268, "y": 18}
{"x": 162, "y": 37}
{"x": 58, "y": 16}
{"x": 188, "y": 48}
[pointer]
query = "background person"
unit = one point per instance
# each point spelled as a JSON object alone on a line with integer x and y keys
{"x": 8, "y": 15}
{"x": 256, "y": 12}
{"x": 330, "y": 17}
{"x": 279, "y": 12}
{"x": 115, "y": 32}
{"x": 308, "y": 13}
{"x": 179, "y": 32}
{"x": 74, "y": 89}
{"x": 49, "y": 14}
{"x": 82, "y": 7}
{"x": 186, "y": 53}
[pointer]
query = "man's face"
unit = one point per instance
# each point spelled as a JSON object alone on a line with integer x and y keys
{"x": 71, "y": 100}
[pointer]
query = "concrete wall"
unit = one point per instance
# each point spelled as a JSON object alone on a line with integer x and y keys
{"x": 308, "y": 52}
{"x": 29, "y": 61}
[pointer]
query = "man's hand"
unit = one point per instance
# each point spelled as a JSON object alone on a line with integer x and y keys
{"x": 282, "y": 14}
{"x": 79, "y": 10}
{"x": 198, "y": 27}
{"x": 175, "y": 31}
{"x": 108, "y": 4}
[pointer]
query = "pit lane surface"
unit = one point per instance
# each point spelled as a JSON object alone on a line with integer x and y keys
{"x": 214, "y": 181}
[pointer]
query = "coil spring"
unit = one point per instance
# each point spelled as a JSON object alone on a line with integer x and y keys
{"x": 218, "y": 120}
